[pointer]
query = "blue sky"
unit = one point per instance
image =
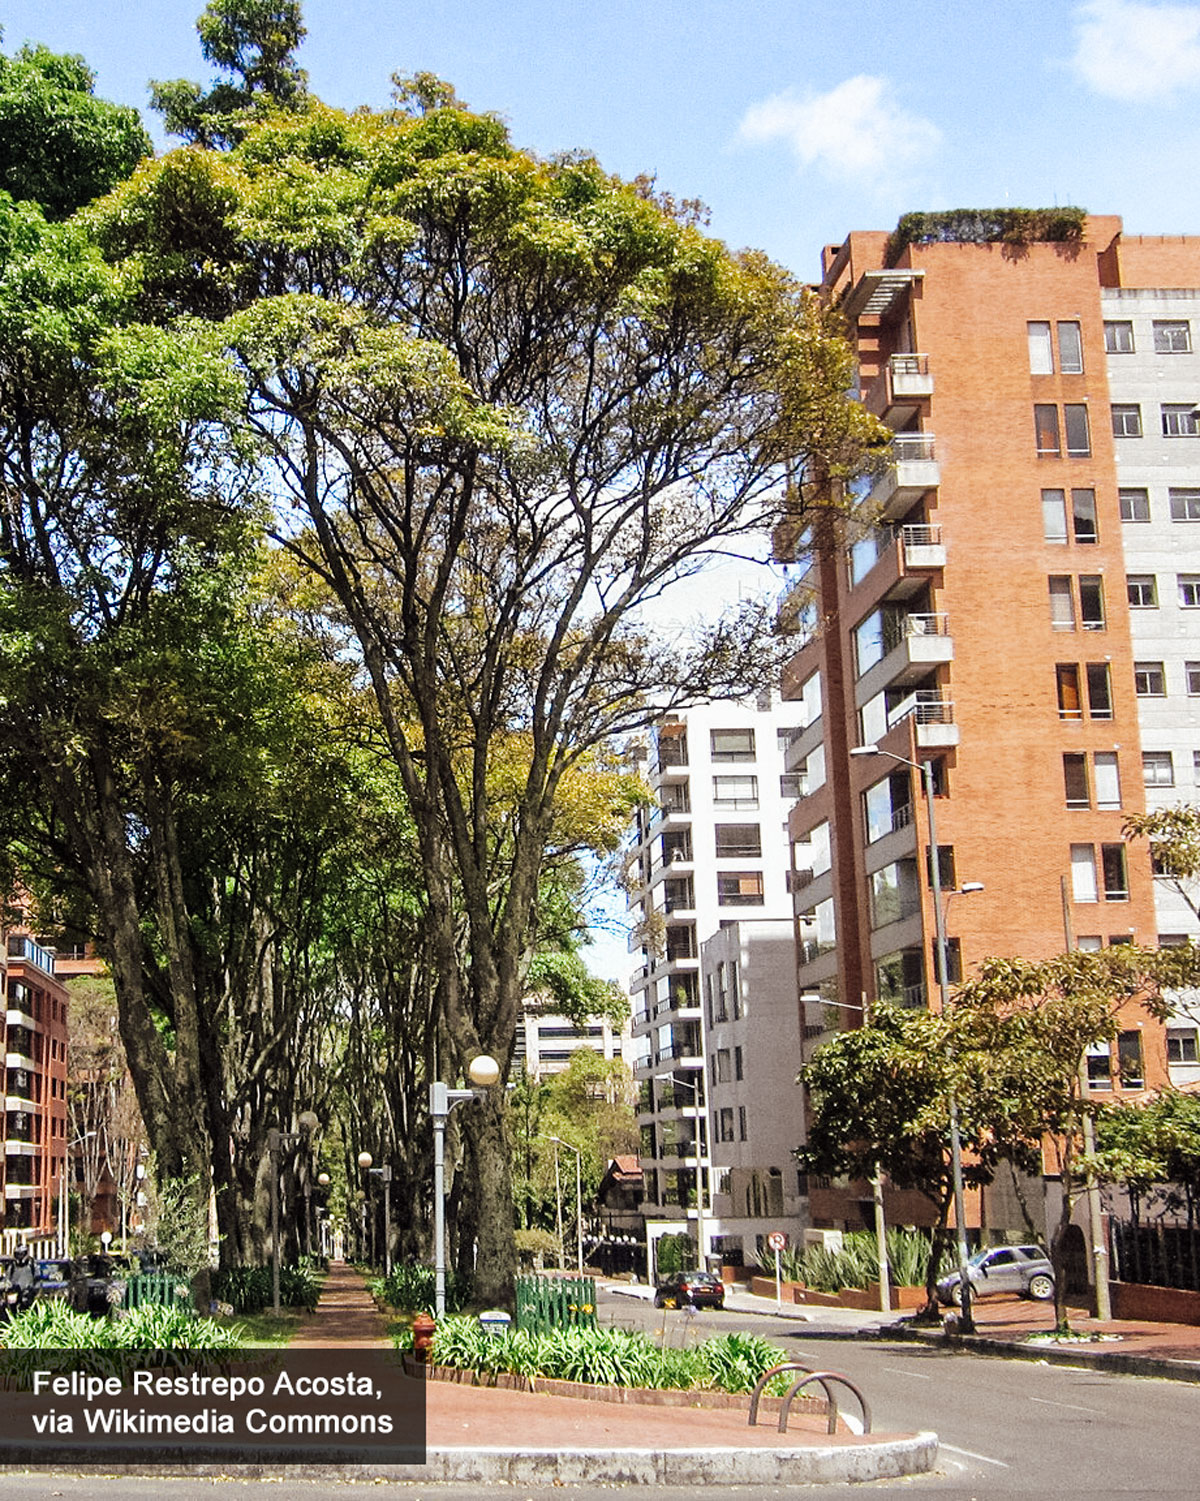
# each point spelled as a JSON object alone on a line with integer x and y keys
{"x": 793, "y": 121}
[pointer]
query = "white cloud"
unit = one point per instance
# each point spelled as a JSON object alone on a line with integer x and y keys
{"x": 1128, "y": 50}
{"x": 856, "y": 130}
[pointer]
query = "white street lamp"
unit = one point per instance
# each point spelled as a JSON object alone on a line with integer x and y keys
{"x": 483, "y": 1072}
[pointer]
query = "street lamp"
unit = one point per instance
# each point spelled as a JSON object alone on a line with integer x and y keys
{"x": 483, "y": 1072}
{"x": 384, "y": 1174}
{"x": 364, "y": 1166}
{"x": 558, "y": 1141}
{"x": 323, "y": 1184}
{"x": 925, "y": 768}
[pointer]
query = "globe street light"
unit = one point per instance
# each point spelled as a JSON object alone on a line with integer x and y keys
{"x": 483, "y": 1072}
{"x": 925, "y": 768}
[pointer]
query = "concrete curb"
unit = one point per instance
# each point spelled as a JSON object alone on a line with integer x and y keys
{"x": 1067, "y": 1355}
{"x": 815, "y": 1464}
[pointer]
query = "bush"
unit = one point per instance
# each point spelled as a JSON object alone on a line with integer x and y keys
{"x": 857, "y": 1263}
{"x": 411, "y": 1289}
{"x": 99, "y": 1343}
{"x": 248, "y": 1289}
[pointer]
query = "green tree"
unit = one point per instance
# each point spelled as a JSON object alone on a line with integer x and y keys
{"x": 60, "y": 146}
{"x": 253, "y": 43}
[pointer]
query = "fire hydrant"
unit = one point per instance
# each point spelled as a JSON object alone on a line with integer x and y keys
{"x": 424, "y": 1327}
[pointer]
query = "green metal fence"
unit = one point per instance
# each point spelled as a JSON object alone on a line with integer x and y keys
{"x": 545, "y": 1303}
{"x": 163, "y": 1289}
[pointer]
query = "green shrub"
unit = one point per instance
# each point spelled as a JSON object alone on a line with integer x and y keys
{"x": 101, "y": 1344}
{"x": 857, "y": 1263}
{"x": 249, "y": 1289}
{"x": 411, "y": 1289}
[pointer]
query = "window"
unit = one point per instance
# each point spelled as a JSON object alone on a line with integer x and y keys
{"x": 1172, "y": 336}
{"x": 1158, "y": 769}
{"x": 1129, "y": 1060}
{"x": 1127, "y": 420}
{"x": 1191, "y": 672}
{"x": 946, "y": 869}
{"x": 1116, "y": 874}
{"x": 1076, "y": 779}
{"x": 1054, "y": 515}
{"x": 1196, "y": 767}
{"x": 1149, "y": 681}
{"x": 1070, "y": 349}
{"x": 1083, "y": 515}
{"x": 732, "y": 745}
{"x": 1099, "y": 686}
{"x": 1041, "y": 352}
{"x": 1143, "y": 594}
{"x": 1179, "y": 420}
{"x": 738, "y": 1064}
{"x": 738, "y": 841}
{"x": 1118, "y": 337}
{"x": 1083, "y": 873}
{"x": 1069, "y": 705}
{"x": 1134, "y": 504}
{"x": 868, "y": 641}
{"x": 739, "y": 888}
{"x": 735, "y": 792}
{"x": 1045, "y": 426}
{"x": 1189, "y": 590}
{"x": 1185, "y": 505}
{"x": 1091, "y": 602}
{"x": 1099, "y": 1066}
{"x": 1107, "y": 779}
{"x": 1079, "y": 435}
{"x": 741, "y": 1123}
{"x": 1181, "y": 1045}
{"x": 1062, "y": 604}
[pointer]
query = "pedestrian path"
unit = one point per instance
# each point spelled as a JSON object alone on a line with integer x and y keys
{"x": 345, "y": 1317}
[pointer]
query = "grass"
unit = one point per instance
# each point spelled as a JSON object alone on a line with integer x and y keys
{"x": 264, "y": 1330}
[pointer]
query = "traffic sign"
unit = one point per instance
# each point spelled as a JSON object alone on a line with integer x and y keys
{"x": 777, "y": 1240}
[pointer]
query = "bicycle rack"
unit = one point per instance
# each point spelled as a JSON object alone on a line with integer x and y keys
{"x": 807, "y": 1378}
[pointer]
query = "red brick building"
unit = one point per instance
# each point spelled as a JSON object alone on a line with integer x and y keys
{"x": 35, "y": 1105}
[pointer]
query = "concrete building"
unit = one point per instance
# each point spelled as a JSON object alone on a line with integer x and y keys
{"x": 35, "y": 1104}
{"x": 977, "y": 620}
{"x": 712, "y": 851}
{"x": 546, "y": 1043}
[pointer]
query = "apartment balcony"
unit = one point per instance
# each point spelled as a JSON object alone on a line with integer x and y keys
{"x": 904, "y": 384}
{"x": 14, "y": 1147}
{"x": 803, "y": 743}
{"x": 21, "y": 947}
{"x": 913, "y": 646}
{"x": 17, "y": 1018}
{"x": 20, "y": 1191}
{"x": 912, "y": 473}
{"x": 932, "y": 717}
{"x": 20, "y": 1060}
{"x": 906, "y": 932}
{"x": 923, "y": 549}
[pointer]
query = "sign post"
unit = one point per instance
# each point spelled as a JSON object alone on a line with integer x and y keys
{"x": 776, "y": 1241}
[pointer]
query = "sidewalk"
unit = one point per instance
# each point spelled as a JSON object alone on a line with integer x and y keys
{"x": 492, "y": 1435}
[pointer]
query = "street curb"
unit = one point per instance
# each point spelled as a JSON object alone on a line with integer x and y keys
{"x": 1071, "y": 1355}
{"x": 816, "y": 1464}
{"x": 790, "y": 1315}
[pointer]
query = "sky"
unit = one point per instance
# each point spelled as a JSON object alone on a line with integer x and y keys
{"x": 794, "y": 122}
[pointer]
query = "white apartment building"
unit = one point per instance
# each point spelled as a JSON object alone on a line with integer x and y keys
{"x": 546, "y": 1043}
{"x": 1152, "y": 342}
{"x": 712, "y": 851}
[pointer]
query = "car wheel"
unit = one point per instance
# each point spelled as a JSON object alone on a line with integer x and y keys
{"x": 1041, "y": 1287}
{"x": 954, "y": 1295}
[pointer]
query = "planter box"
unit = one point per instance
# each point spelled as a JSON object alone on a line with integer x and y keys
{"x": 1166, "y": 1305}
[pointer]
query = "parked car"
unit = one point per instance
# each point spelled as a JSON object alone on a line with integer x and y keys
{"x": 1025, "y": 1270}
{"x": 52, "y": 1277}
{"x": 700, "y": 1289}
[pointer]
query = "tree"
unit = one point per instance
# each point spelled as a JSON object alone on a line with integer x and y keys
{"x": 60, "y": 146}
{"x": 517, "y": 402}
{"x": 251, "y": 41}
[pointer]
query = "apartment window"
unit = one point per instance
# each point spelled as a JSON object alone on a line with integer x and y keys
{"x": 1091, "y": 602}
{"x": 868, "y": 641}
{"x": 738, "y": 841}
{"x": 1191, "y": 672}
{"x": 1083, "y": 515}
{"x": 1069, "y": 704}
{"x": 1079, "y": 434}
{"x": 1107, "y": 777}
{"x": 1127, "y": 420}
{"x": 1196, "y": 767}
{"x": 1158, "y": 769}
{"x": 1142, "y": 591}
{"x": 1041, "y": 351}
{"x": 732, "y": 745}
{"x": 725, "y": 1123}
{"x": 1083, "y": 873}
{"x": 1099, "y": 1066}
{"x": 735, "y": 792}
{"x": 1185, "y": 505}
{"x": 1116, "y": 874}
{"x": 1045, "y": 427}
{"x": 1076, "y": 779}
{"x": 741, "y": 1123}
{"x": 1149, "y": 680}
{"x": 1054, "y": 515}
{"x": 1179, "y": 420}
{"x": 738, "y": 1064}
{"x": 946, "y": 867}
{"x": 1189, "y": 590}
{"x": 1118, "y": 337}
{"x": 1172, "y": 336}
{"x": 1134, "y": 505}
{"x": 740, "y": 888}
{"x": 1129, "y": 1060}
{"x": 1181, "y": 1045}
{"x": 1062, "y": 604}
{"x": 953, "y": 960}
{"x": 1070, "y": 349}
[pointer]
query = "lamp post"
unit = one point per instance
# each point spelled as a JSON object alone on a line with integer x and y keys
{"x": 483, "y": 1072}
{"x": 384, "y": 1174}
{"x": 558, "y": 1141}
{"x": 364, "y": 1165}
{"x": 925, "y": 768}
{"x": 323, "y": 1184}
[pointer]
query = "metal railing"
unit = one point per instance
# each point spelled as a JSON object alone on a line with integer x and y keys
{"x": 925, "y": 706}
{"x": 909, "y": 364}
{"x": 546, "y": 1303}
{"x": 912, "y": 448}
{"x": 806, "y": 1376}
{"x": 920, "y": 536}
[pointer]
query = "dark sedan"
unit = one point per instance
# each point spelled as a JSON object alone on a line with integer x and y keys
{"x": 699, "y": 1289}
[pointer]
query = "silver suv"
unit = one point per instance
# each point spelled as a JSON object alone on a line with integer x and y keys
{"x": 1025, "y": 1270}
